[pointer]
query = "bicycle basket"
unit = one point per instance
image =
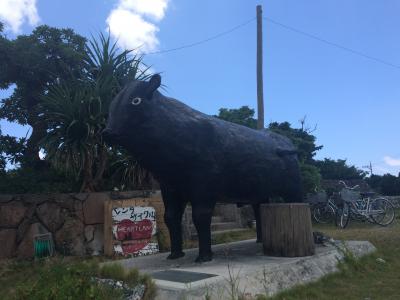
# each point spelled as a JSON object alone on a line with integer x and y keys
{"x": 349, "y": 195}
{"x": 319, "y": 197}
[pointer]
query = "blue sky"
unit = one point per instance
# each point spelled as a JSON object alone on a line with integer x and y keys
{"x": 353, "y": 100}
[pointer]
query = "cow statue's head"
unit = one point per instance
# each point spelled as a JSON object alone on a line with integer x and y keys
{"x": 131, "y": 108}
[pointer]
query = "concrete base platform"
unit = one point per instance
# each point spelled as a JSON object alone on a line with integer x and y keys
{"x": 240, "y": 268}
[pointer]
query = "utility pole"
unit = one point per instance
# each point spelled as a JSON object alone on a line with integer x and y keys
{"x": 369, "y": 167}
{"x": 260, "y": 93}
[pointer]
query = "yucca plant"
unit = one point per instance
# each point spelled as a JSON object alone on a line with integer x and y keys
{"x": 126, "y": 172}
{"x": 108, "y": 68}
{"x": 76, "y": 112}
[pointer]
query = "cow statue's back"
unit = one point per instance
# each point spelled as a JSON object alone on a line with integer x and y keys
{"x": 200, "y": 159}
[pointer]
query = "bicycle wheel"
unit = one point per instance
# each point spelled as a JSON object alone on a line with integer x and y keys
{"x": 323, "y": 214}
{"x": 343, "y": 216}
{"x": 382, "y": 211}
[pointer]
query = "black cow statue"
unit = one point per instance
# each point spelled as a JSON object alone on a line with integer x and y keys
{"x": 200, "y": 159}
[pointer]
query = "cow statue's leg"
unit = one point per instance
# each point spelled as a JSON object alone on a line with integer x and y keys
{"x": 257, "y": 215}
{"x": 174, "y": 208}
{"x": 202, "y": 213}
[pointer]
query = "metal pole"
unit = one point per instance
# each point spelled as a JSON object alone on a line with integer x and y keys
{"x": 260, "y": 93}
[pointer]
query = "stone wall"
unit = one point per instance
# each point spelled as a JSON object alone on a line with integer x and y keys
{"x": 75, "y": 221}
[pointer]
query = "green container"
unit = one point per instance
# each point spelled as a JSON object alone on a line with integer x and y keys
{"x": 43, "y": 245}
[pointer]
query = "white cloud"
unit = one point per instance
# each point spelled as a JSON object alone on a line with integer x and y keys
{"x": 393, "y": 162}
{"x": 152, "y": 8}
{"x": 127, "y": 23}
{"x": 16, "y": 12}
{"x": 132, "y": 31}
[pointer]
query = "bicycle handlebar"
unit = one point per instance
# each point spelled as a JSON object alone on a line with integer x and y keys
{"x": 343, "y": 183}
{"x": 347, "y": 187}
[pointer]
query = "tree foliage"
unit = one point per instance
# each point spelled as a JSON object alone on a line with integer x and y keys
{"x": 33, "y": 63}
{"x": 11, "y": 149}
{"x": 311, "y": 177}
{"x": 63, "y": 87}
{"x": 301, "y": 138}
{"x": 28, "y": 180}
{"x": 3, "y": 161}
{"x": 243, "y": 116}
{"x": 338, "y": 169}
{"x": 386, "y": 184}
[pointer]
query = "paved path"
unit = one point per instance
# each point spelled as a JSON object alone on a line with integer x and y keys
{"x": 244, "y": 263}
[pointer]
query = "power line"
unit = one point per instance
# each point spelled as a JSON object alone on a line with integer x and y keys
{"x": 356, "y": 52}
{"x": 214, "y": 37}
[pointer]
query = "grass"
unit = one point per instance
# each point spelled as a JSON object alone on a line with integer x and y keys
{"x": 365, "y": 278}
{"x": 59, "y": 278}
{"x": 70, "y": 278}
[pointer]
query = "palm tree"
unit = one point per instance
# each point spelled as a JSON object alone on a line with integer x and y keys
{"x": 76, "y": 111}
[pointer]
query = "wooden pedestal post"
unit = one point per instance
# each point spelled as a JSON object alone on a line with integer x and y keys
{"x": 286, "y": 229}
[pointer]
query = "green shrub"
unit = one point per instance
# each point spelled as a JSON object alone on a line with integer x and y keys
{"x": 112, "y": 271}
{"x": 131, "y": 278}
{"x": 61, "y": 279}
{"x": 151, "y": 289}
{"x": 54, "y": 280}
{"x": 311, "y": 178}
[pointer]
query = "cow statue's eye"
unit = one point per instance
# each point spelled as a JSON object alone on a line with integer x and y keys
{"x": 136, "y": 101}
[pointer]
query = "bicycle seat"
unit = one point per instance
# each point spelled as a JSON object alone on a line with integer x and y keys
{"x": 367, "y": 194}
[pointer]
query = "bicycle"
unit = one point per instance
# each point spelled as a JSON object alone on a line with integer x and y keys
{"x": 362, "y": 207}
{"x": 324, "y": 212}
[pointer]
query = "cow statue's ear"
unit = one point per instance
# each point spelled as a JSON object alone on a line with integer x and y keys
{"x": 154, "y": 84}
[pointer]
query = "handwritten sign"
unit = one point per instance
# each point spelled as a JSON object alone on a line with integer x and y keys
{"x": 134, "y": 230}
